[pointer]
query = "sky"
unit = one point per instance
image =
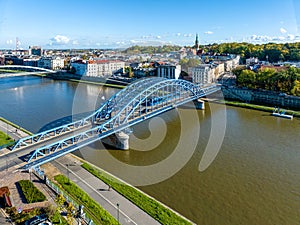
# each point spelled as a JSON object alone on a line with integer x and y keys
{"x": 58, "y": 24}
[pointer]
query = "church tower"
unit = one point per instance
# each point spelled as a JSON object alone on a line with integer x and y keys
{"x": 197, "y": 42}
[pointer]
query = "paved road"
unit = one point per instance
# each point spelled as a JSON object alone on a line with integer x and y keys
{"x": 98, "y": 190}
{"x": 18, "y": 157}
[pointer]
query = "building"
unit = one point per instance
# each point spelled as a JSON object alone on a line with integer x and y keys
{"x": 168, "y": 71}
{"x": 196, "y": 43}
{"x": 79, "y": 67}
{"x": 252, "y": 61}
{"x": 51, "y": 63}
{"x": 206, "y": 73}
{"x": 202, "y": 74}
{"x": 13, "y": 60}
{"x": 98, "y": 68}
{"x": 2, "y": 60}
{"x": 30, "y": 62}
{"x": 35, "y": 50}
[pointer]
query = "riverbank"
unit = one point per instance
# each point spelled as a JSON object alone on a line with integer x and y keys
{"x": 251, "y": 106}
{"x": 87, "y": 80}
{"x": 159, "y": 211}
{"x": 15, "y": 126}
{"x": 13, "y": 131}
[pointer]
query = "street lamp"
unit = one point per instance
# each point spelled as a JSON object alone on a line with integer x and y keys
{"x": 118, "y": 206}
{"x": 68, "y": 174}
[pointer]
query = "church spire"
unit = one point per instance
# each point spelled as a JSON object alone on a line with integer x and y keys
{"x": 197, "y": 42}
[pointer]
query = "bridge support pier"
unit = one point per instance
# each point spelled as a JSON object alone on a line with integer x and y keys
{"x": 119, "y": 140}
{"x": 199, "y": 104}
{"x": 122, "y": 140}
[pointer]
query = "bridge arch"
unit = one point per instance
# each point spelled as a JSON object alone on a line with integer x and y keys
{"x": 148, "y": 97}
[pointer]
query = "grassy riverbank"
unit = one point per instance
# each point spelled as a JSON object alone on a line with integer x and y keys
{"x": 15, "y": 126}
{"x": 95, "y": 211}
{"x": 155, "y": 209}
{"x": 99, "y": 83}
{"x": 5, "y": 139}
{"x": 259, "y": 107}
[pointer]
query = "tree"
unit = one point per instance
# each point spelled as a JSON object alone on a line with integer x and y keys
{"x": 128, "y": 70}
{"x": 186, "y": 63}
{"x": 296, "y": 88}
{"x": 247, "y": 78}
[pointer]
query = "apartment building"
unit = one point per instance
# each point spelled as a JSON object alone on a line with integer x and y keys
{"x": 97, "y": 68}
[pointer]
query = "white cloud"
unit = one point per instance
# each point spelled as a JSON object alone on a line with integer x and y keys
{"x": 9, "y": 42}
{"x": 178, "y": 34}
{"x": 75, "y": 42}
{"x": 158, "y": 37}
{"x": 291, "y": 37}
{"x": 282, "y": 30}
{"x": 59, "y": 40}
{"x": 208, "y": 32}
{"x": 187, "y": 35}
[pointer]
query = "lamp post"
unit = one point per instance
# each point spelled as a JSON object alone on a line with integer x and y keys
{"x": 68, "y": 174}
{"x": 118, "y": 212}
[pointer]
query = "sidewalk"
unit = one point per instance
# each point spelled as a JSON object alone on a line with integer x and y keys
{"x": 13, "y": 132}
{"x": 117, "y": 205}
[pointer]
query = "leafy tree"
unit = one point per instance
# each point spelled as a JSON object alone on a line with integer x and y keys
{"x": 247, "y": 78}
{"x": 186, "y": 63}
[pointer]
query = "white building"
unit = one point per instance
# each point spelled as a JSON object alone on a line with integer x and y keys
{"x": 169, "y": 71}
{"x": 202, "y": 74}
{"x": 97, "y": 68}
{"x": 51, "y": 63}
{"x": 206, "y": 73}
{"x": 232, "y": 63}
{"x": 251, "y": 61}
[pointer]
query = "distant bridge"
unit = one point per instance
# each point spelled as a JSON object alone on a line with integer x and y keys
{"x": 28, "y": 70}
{"x": 139, "y": 101}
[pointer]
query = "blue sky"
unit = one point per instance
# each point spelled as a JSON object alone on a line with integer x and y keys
{"x": 122, "y": 23}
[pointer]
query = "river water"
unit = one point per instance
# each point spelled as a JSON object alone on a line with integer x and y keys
{"x": 254, "y": 177}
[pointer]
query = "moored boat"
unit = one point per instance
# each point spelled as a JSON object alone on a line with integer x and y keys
{"x": 281, "y": 113}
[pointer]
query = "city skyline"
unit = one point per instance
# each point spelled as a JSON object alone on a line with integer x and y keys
{"x": 120, "y": 24}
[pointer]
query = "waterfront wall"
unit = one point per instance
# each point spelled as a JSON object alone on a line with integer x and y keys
{"x": 261, "y": 97}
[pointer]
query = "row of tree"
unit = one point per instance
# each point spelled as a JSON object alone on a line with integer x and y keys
{"x": 271, "y": 52}
{"x": 152, "y": 49}
{"x": 285, "y": 80}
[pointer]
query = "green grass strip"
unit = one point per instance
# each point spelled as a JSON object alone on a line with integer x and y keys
{"x": 16, "y": 126}
{"x": 58, "y": 219}
{"x": 95, "y": 210}
{"x": 260, "y": 107}
{"x": 31, "y": 193}
{"x": 99, "y": 83}
{"x": 146, "y": 203}
{"x": 5, "y": 139}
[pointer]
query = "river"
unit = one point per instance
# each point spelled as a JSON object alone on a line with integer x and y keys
{"x": 253, "y": 179}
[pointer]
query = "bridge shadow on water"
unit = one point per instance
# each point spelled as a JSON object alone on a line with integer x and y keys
{"x": 63, "y": 121}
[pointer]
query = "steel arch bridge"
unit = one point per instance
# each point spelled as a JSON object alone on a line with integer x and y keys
{"x": 139, "y": 101}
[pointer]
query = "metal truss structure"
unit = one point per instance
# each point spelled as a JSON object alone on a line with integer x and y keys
{"x": 139, "y": 101}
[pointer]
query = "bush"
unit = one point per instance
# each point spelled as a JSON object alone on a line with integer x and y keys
{"x": 98, "y": 214}
{"x": 31, "y": 193}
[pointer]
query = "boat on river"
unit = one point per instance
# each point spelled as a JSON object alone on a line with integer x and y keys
{"x": 281, "y": 113}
